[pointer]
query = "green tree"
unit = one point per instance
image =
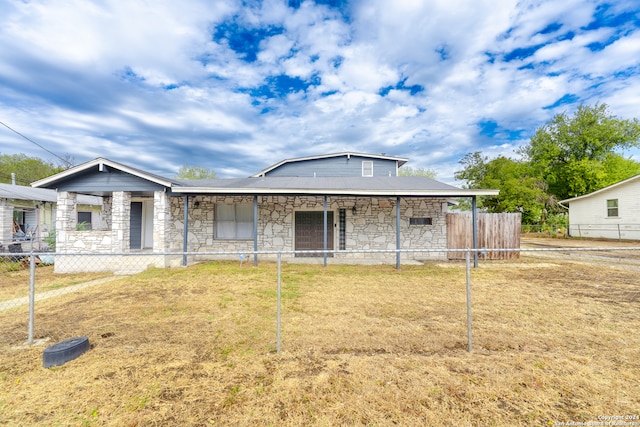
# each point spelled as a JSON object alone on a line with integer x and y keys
{"x": 409, "y": 171}
{"x": 195, "y": 172}
{"x": 579, "y": 154}
{"x": 520, "y": 191}
{"x": 26, "y": 169}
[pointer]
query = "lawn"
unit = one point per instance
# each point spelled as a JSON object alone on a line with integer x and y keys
{"x": 553, "y": 341}
{"x": 14, "y": 278}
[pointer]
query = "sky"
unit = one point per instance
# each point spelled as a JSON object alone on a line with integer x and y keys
{"x": 236, "y": 86}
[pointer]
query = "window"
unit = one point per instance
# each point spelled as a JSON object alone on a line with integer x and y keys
{"x": 419, "y": 221}
{"x": 234, "y": 222}
{"x": 612, "y": 207}
{"x": 343, "y": 229}
{"x": 84, "y": 220}
{"x": 367, "y": 168}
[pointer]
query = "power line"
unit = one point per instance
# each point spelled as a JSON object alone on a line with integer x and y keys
{"x": 66, "y": 162}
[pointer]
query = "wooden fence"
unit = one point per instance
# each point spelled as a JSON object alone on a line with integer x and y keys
{"x": 495, "y": 230}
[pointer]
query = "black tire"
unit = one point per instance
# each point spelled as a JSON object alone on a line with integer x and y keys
{"x": 64, "y": 351}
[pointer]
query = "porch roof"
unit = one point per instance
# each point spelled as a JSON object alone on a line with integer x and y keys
{"x": 405, "y": 186}
{"x": 21, "y": 192}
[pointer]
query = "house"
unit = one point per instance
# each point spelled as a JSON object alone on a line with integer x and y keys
{"x": 337, "y": 202}
{"x": 612, "y": 212}
{"x": 28, "y": 214}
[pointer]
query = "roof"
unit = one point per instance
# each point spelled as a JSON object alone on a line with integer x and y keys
{"x": 355, "y": 186}
{"x": 401, "y": 160}
{"x": 20, "y": 192}
{"x": 602, "y": 190}
{"x": 101, "y": 164}
{"x": 386, "y": 186}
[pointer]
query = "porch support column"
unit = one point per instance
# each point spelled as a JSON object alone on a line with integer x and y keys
{"x": 6, "y": 223}
{"x": 325, "y": 231}
{"x": 161, "y": 216}
{"x": 66, "y": 219}
{"x": 474, "y": 221}
{"x": 398, "y": 232}
{"x": 185, "y": 231}
{"x": 120, "y": 221}
{"x": 255, "y": 230}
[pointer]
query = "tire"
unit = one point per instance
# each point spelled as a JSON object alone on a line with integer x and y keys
{"x": 64, "y": 351}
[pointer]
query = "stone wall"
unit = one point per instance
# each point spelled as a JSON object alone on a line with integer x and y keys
{"x": 111, "y": 237}
{"x": 372, "y": 227}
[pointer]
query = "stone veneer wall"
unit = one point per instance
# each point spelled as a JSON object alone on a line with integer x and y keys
{"x": 113, "y": 236}
{"x": 372, "y": 227}
{"x": 109, "y": 238}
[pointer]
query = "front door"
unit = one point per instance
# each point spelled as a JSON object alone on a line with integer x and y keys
{"x": 141, "y": 225}
{"x": 309, "y": 232}
{"x": 135, "y": 226}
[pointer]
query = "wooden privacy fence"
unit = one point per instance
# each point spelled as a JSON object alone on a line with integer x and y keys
{"x": 495, "y": 230}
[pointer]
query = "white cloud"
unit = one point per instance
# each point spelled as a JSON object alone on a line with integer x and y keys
{"x": 63, "y": 78}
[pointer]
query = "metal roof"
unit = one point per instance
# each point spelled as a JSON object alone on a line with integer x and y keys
{"x": 19, "y": 192}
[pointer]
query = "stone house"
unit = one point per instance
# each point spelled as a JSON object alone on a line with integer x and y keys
{"x": 325, "y": 205}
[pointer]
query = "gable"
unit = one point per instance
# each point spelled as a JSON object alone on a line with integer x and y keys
{"x": 594, "y": 208}
{"x": 101, "y": 177}
{"x": 631, "y": 184}
{"x": 334, "y": 165}
{"x": 102, "y": 183}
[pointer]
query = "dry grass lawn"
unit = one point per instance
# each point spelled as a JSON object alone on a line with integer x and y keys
{"x": 361, "y": 345}
{"x": 14, "y": 278}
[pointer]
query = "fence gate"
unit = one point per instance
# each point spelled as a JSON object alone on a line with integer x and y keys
{"x": 495, "y": 230}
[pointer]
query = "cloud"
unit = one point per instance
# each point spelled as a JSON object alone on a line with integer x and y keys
{"x": 236, "y": 86}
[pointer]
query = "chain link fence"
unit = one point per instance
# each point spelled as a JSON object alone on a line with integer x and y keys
{"x": 598, "y": 231}
{"x": 49, "y": 297}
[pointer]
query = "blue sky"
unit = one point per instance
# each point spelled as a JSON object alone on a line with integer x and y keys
{"x": 239, "y": 85}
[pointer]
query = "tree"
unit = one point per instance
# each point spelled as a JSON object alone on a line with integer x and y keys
{"x": 579, "y": 154}
{"x": 26, "y": 169}
{"x": 567, "y": 157}
{"x": 409, "y": 171}
{"x": 195, "y": 172}
{"x": 520, "y": 191}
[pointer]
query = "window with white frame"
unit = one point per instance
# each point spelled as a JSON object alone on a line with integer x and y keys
{"x": 367, "y": 168}
{"x": 612, "y": 207}
{"x": 234, "y": 222}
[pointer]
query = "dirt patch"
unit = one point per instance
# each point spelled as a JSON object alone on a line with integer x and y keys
{"x": 621, "y": 254}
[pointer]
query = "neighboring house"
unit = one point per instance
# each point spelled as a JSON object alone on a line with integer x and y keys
{"x": 612, "y": 212}
{"x": 337, "y": 202}
{"x": 28, "y": 213}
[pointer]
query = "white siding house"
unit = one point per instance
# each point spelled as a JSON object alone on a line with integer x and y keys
{"x": 612, "y": 212}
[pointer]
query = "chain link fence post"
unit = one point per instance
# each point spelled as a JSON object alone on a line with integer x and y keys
{"x": 279, "y": 298}
{"x": 32, "y": 293}
{"x": 468, "y": 261}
